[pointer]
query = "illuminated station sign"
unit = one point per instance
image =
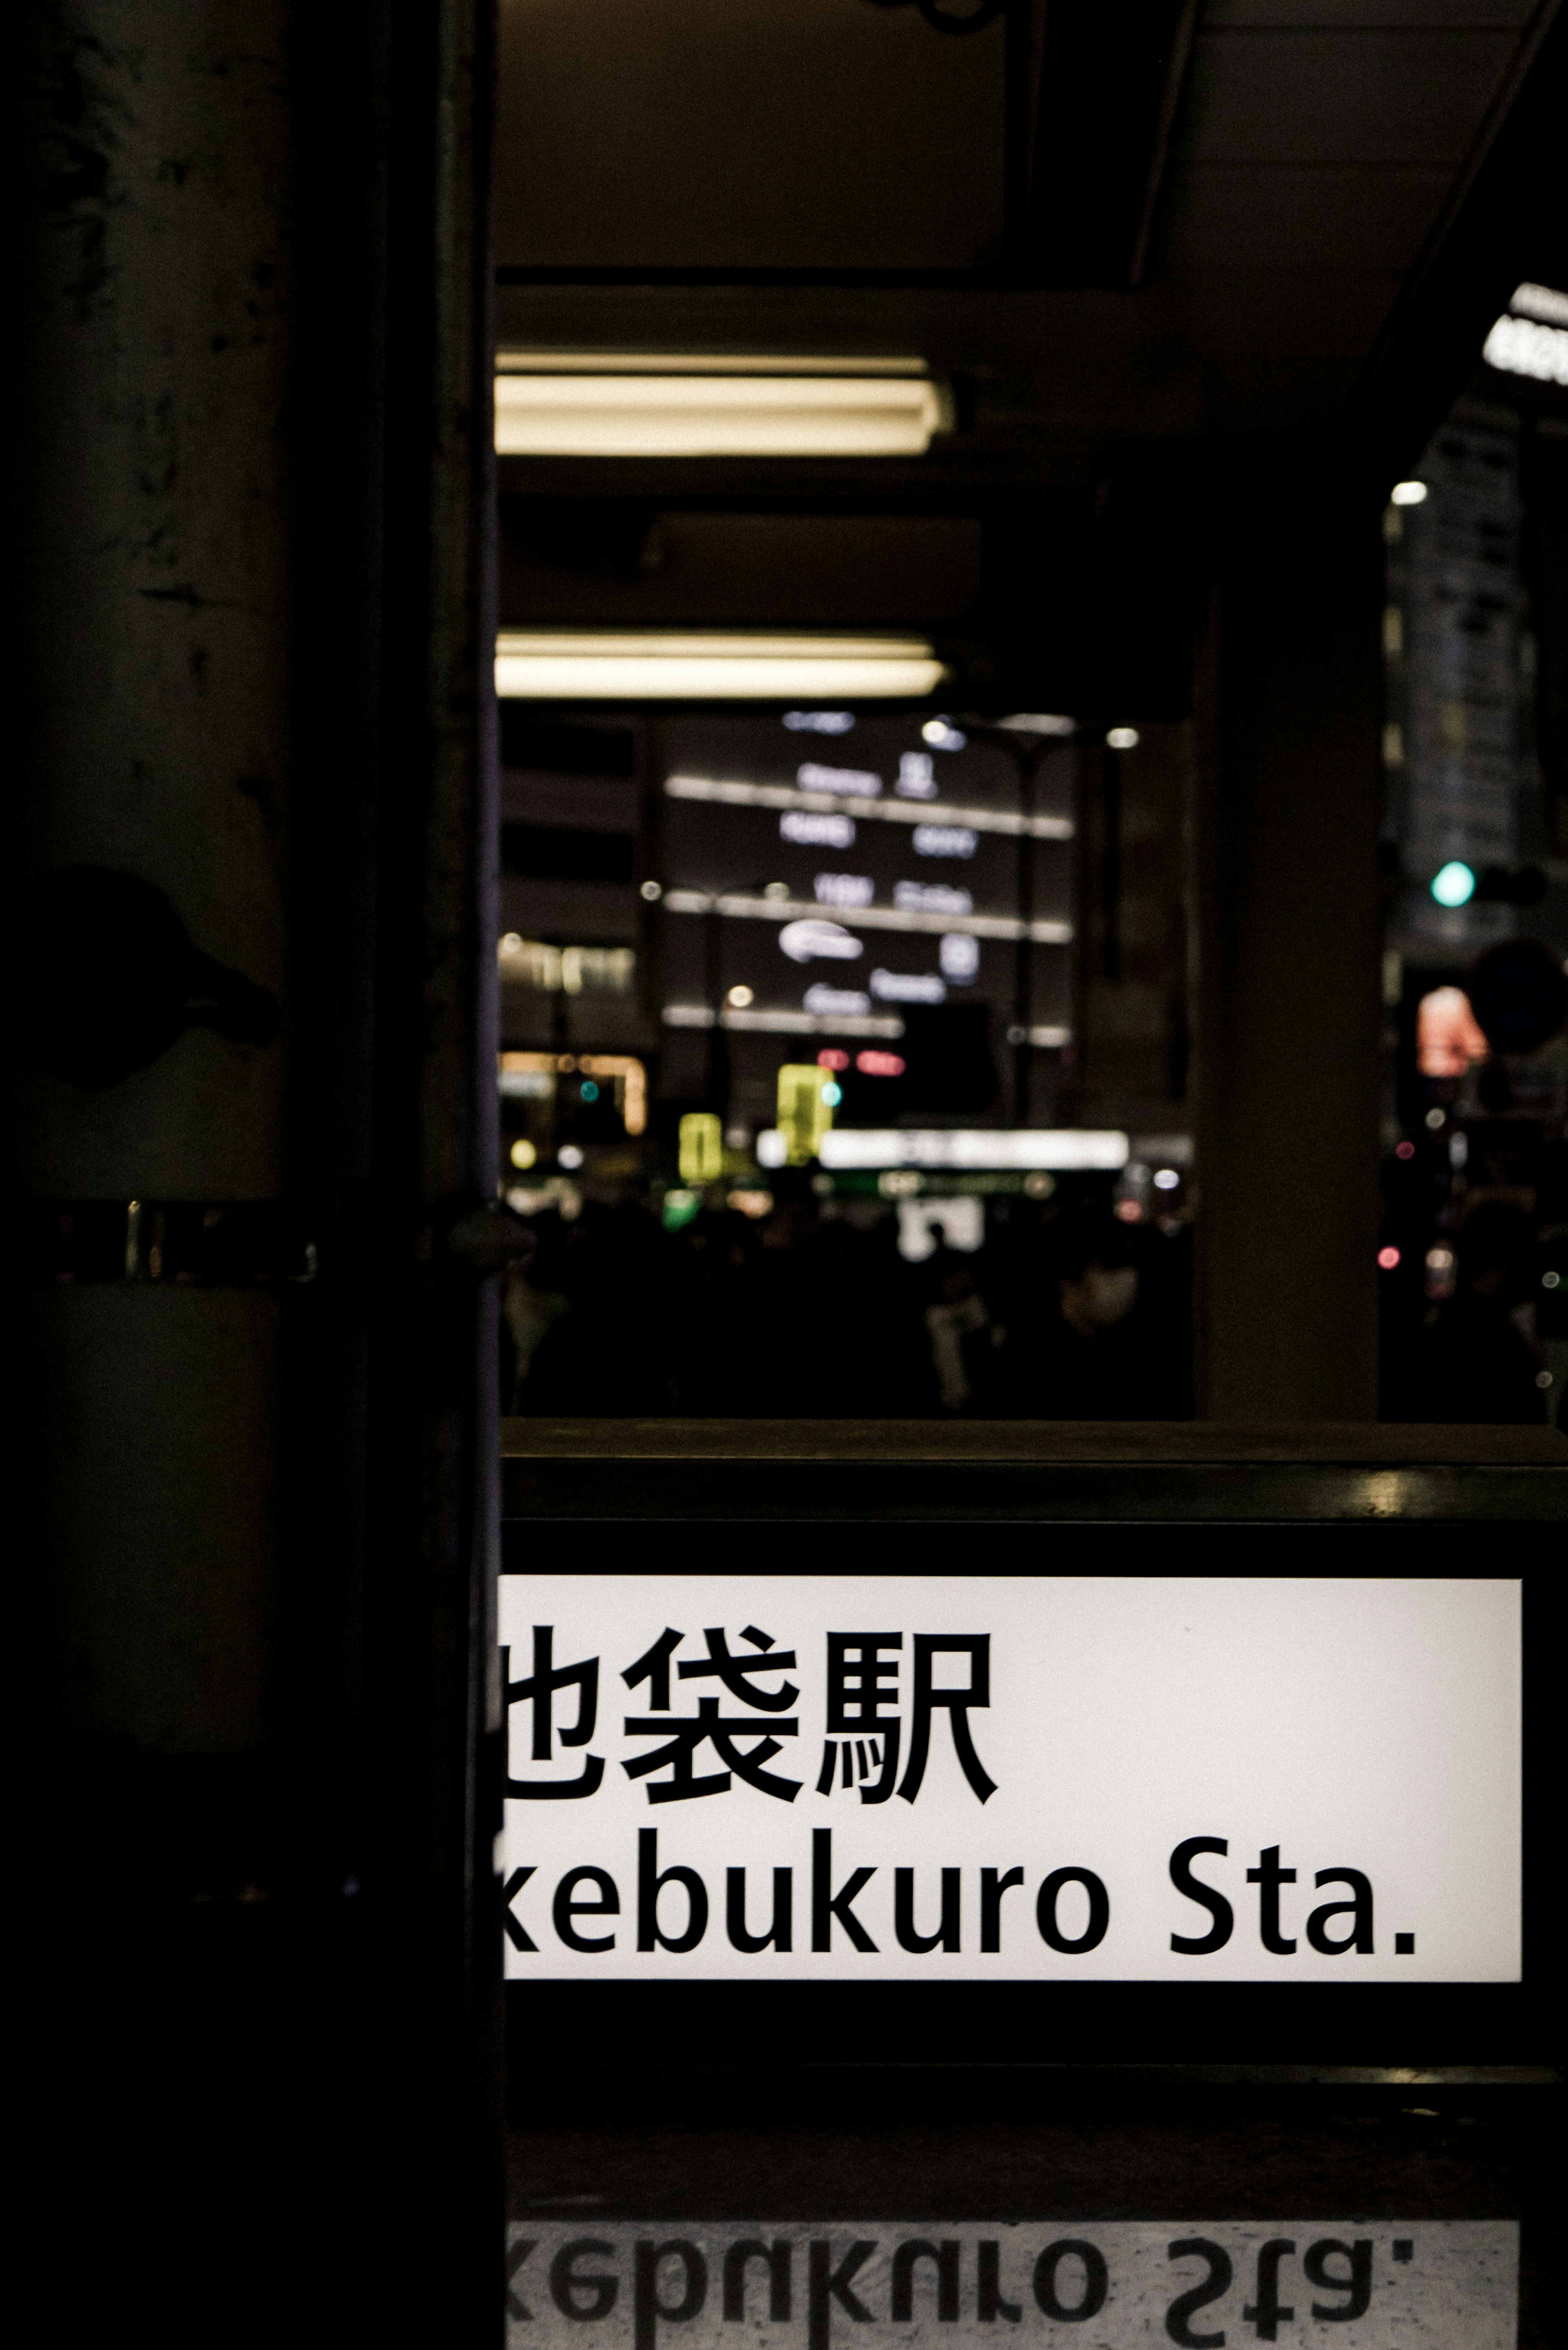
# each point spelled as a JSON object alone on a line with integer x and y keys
{"x": 1113, "y": 1778}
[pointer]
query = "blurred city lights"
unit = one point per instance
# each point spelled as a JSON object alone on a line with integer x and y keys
{"x": 522, "y": 1154}
{"x": 1123, "y": 738}
{"x": 1387, "y": 1258}
{"x": 739, "y": 997}
{"x": 1454, "y": 885}
{"x": 1404, "y": 1150}
{"x": 1407, "y": 493}
{"x": 570, "y": 1155}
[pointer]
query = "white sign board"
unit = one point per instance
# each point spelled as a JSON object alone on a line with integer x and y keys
{"x": 1132, "y": 1778}
{"x": 1338, "y": 2284}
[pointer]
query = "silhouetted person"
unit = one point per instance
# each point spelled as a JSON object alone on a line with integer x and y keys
{"x": 1473, "y": 1362}
{"x": 1077, "y": 1351}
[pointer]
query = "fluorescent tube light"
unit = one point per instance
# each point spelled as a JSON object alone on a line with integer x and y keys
{"x": 968, "y": 1146}
{"x": 554, "y": 665}
{"x": 575, "y": 405}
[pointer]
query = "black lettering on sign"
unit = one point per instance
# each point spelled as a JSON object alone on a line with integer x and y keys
{"x": 947, "y": 1934}
{"x": 1179, "y": 2316}
{"x": 1097, "y": 2281}
{"x": 776, "y": 2257}
{"x": 650, "y": 1885}
{"x": 826, "y": 2284}
{"x": 1198, "y": 1946}
{"x": 566, "y": 1908}
{"x": 1268, "y": 1877}
{"x": 989, "y": 2302}
{"x": 567, "y": 2285}
{"x": 826, "y": 1905}
{"x": 945, "y": 2259}
{"x": 778, "y": 1935}
{"x": 646, "y": 2306}
{"x": 1265, "y": 2313}
{"x": 992, "y": 1886}
{"x": 516, "y": 2259}
{"x": 1094, "y": 1933}
{"x": 1358, "y": 1909}
{"x": 1356, "y": 2287}
{"x": 517, "y": 1933}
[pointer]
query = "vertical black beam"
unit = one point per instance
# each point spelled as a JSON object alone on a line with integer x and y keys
{"x": 1290, "y": 714}
{"x": 434, "y": 1712}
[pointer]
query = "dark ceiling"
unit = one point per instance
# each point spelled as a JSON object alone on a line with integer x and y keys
{"x": 1134, "y": 232}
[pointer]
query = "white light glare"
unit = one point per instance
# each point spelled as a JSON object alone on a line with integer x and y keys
{"x": 1455, "y": 885}
{"x": 699, "y": 408}
{"x": 1541, "y": 302}
{"x": 941, "y": 736}
{"x": 943, "y": 840}
{"x": 554, "y": 665}
{"x": 908, "y": 987}
{"x": 802, "y": 941}
{"x": 1407, "y": 493}
{"x": 725, "y": 794}
{"x": 1123, "y": 738}
{"x": 1519, "y": 347}
{"x": 819, "y": 721}
{"x": 1064, "y": 1147}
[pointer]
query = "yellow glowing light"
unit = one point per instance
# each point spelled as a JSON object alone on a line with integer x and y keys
{"x": 804, "y": 1110}
{"x": 535, "y": 1073}
{"x": 575, "y": 405}
{"x": 701, "y": 1147}
{"x": 522, "y": 1154}
{"x": 564, "y": 665}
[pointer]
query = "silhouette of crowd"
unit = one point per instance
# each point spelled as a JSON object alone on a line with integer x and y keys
{"x": 812, "y": 1312}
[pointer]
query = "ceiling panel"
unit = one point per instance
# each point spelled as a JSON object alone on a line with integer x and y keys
{"x": 710, "y": 134}
{"x": 1351, "y": 216}
{"x": 1372, "y": 16}
{"x": 1340, "y": 98}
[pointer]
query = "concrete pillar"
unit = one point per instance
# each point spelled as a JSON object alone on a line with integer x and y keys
{"x": 1290, "y": 712}
{"x": 249, "y": 1058}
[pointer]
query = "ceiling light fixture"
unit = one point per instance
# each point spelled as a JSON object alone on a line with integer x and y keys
{"x": 560, "y": 665}
{"x": 576, "y": 404}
